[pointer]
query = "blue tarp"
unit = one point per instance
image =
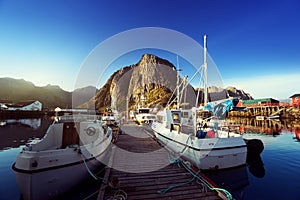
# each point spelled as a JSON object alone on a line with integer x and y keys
{"x": 220, "y": 110}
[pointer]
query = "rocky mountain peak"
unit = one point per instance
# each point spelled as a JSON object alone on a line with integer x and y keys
{"x": 150, "y": 78}
{"x": 239, "y": 93}
{"x": 150, "y": 59}
{"x": 154, "y": 80}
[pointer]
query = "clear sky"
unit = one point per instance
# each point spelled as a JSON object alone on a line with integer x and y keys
{"x": 255, "y": 44}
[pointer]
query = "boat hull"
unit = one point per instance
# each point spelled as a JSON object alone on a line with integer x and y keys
{"x": 52, "y": 182}
{"x": 205, "y": 153}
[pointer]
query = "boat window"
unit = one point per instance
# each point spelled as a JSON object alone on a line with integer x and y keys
{"x": 185, "y": 114}
{"x": 176, "y": 118}
{"x": 144, "y": 110}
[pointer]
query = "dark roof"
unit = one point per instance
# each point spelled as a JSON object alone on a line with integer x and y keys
{"x": 295, "y": 95}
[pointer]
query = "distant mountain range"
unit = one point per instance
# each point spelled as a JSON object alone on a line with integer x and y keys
{"x": 151, "y": 82}
{"x": 51, "y": 96}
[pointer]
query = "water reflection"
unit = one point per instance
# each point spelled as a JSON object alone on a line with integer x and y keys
{"x": 17, "y": 132}
{"x": 296, "y": 131}
{"x": 235, "y": 180}
{"x": 256, "y": 165}
{"x": 33, "y": 123}
{"x": 267, "y": 127}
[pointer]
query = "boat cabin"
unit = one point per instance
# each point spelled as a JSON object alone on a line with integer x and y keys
{"x": 177, "y": 120}
{"x": 62, "y": 135}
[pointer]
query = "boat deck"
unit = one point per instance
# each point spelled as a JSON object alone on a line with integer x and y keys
{"x": 139, "y": 168}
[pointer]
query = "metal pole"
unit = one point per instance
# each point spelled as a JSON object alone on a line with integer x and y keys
{"x": 126, "y": 118}
{"x": 205, "y": 73}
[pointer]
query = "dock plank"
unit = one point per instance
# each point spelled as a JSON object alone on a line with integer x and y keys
{"x": 143, "y": 171}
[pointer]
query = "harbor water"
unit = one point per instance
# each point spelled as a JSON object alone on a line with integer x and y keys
{"x": 274, "y": 175}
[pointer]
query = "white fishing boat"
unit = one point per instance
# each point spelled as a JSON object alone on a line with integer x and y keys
{"x": 110, "y": 119}
{"x": 207, "y": 148}
{"x": 143, "y": 115}
{"x": 201, "y": 141}
{"x": 69, "y": 152}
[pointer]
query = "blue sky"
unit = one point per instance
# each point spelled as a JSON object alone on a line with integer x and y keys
{"x": 255, "y": 44}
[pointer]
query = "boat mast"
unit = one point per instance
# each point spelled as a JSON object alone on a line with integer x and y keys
{"x": 178, "y": 96}
{"x": 205, "y": 72}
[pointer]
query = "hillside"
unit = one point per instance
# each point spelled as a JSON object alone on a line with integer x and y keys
{"x": 51, "y": 96}
{"x": 81, "y": 96}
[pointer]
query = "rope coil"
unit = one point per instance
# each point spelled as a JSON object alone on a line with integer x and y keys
{"x": 118, "y": 195}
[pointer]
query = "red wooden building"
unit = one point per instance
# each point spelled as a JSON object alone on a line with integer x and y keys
{"x": 295, "y": 100}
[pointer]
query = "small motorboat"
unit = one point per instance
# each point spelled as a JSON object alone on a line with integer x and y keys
{"x": 64, "y": 157}
{"x": 111, "y": 121}
{"x": 144, "y": 116}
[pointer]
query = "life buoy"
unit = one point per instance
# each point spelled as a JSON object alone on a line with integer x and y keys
{"x": 90, "y": 131}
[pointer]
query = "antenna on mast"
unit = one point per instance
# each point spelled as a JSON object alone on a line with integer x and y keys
{"x": 177, "y": 87}
{"x": 205, "y": 71}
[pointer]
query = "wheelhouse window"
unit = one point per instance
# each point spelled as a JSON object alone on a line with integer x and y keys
{"x": 145, "y": 110}
{"x": 176, "y": 117}
{"x": 185, "y": 114}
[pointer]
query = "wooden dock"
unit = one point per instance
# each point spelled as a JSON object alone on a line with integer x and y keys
{"x": 139, "y": 168}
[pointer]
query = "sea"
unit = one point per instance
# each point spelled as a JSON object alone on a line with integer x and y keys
{"x": 275, "y": 174}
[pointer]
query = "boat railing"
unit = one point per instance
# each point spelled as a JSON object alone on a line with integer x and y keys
{"x": 76, "y": 118}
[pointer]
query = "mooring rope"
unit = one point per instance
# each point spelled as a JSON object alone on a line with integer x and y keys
{"x": 229, "y": 196}
{"x": 204, "y": 183}
{"x": 118, "y": 195}
{"x": 175, "y": 186}
{"x": 175, "y": 161}
{"x": 91, "y": 195}
{"x": 97, "y": 178}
